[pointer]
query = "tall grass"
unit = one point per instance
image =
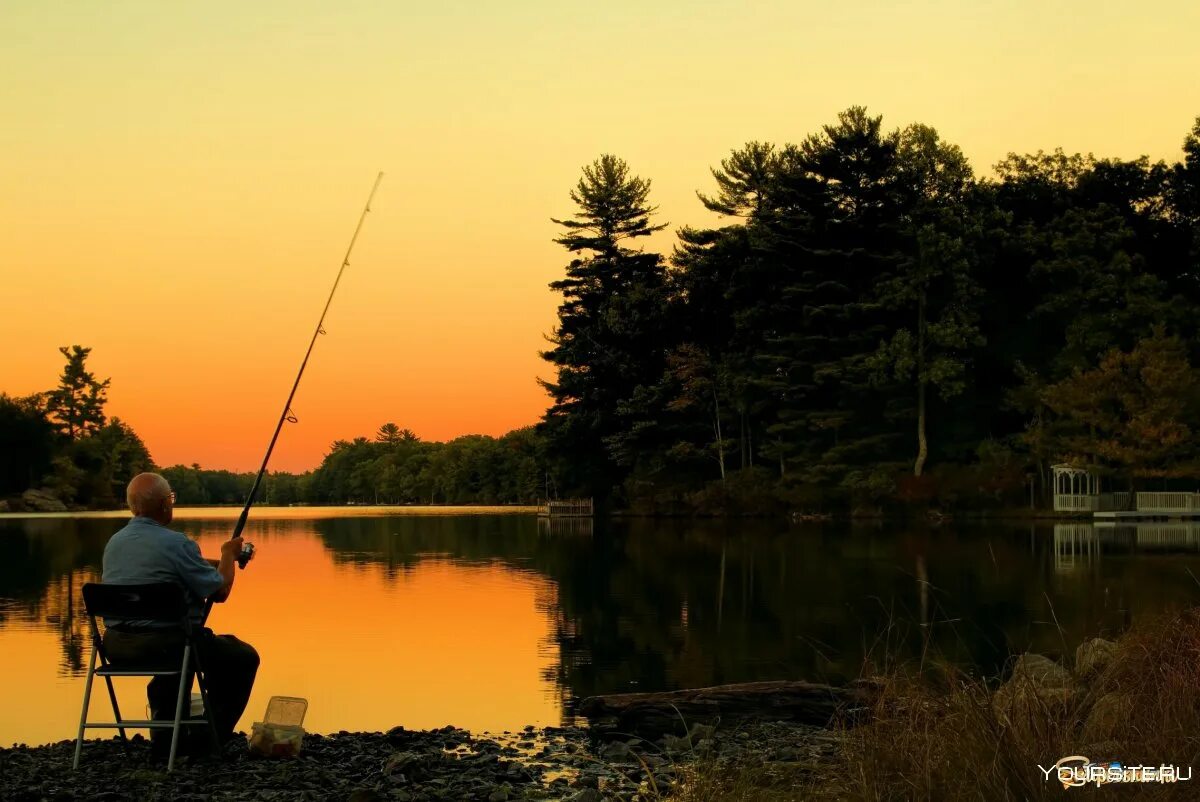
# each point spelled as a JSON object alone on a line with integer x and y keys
{"x": 943, "y": 735}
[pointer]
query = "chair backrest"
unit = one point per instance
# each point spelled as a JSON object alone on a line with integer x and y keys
{"x": 159, "y": 602}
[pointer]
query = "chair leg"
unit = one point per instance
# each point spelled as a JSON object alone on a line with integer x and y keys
{"x": 87, "y": 698}
{"x": 112, "y": 695}
{"x": 183, "y": 683}
{"x": 209, "y": 713}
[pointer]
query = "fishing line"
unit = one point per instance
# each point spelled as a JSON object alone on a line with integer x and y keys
{"x": 288, "y": 416}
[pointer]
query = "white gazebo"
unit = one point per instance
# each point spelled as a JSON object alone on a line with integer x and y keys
{"x": 1075, "y": 489}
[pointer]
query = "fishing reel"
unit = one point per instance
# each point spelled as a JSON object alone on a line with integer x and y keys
{"x": 246, "y": 554}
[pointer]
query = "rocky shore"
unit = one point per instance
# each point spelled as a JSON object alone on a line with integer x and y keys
{"x": 1133, "y": 699}
{"x": 412, "y": 766}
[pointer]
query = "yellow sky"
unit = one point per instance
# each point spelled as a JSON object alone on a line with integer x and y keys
{"x": 178, "y": 181}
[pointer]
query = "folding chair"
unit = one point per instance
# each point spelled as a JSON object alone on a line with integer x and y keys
{"x": 161, "y": 603}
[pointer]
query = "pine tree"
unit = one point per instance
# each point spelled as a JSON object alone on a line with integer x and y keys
{"x": 609, "y": 339}
{"x": 388, "y": 433}
{"x": 933, "y": 285}
{"x": 832, "y": 425}
{"x": 77, "y": 404}
{"x": 1183, "y": 190}
{"x": 613, "y": 207}
{"x": 733, "y": 283}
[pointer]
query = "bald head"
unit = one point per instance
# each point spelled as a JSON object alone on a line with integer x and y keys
{"x": 149, "y": 495}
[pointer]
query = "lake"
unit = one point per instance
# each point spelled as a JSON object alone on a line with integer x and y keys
{"x": 491, "y": 620}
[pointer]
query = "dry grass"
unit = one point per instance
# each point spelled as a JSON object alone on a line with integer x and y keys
{"x": 946, "y": 737}
{"x": 748, "y": 782}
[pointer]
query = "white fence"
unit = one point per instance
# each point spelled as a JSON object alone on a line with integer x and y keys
{"x": 1159, "y": 503}
{"x": 1168, "y": 536}
{"x": 1075, "y": 503}
{"x": 1081, "y": 545}
{"x": 1115, "y": 502}
{"x": 1168, "y": 502}
{"x": 565, "y": 526}
{"x": 567, "y": 508}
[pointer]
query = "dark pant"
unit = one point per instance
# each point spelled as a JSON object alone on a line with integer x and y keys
{"x": 229, "y": 666}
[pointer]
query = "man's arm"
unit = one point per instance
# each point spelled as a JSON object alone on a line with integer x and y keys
{"x": 203, "y": 578}
{"x": 226, "y": 567}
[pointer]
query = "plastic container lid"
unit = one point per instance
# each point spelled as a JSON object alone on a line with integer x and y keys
{"x": 286, "y": 710}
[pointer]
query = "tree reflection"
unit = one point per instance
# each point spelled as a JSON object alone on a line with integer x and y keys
{"x": 651, "y": 605}
{"x": 43, "y": 565}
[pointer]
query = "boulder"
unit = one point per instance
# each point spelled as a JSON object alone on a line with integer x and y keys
{"x": 1029, "y": 707}
{"x": 1039, "y": 671}
{"x": 1038, "y": 690}
{"x": 42, "y": 501}
{"x": 616, "y": 751}
{"x": 1093, "y": 656}
{"x": 1107, "y": 717}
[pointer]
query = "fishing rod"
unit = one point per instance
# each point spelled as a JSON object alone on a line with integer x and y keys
{"x": 287, "y": 416}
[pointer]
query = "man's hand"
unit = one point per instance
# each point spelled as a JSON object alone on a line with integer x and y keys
{"x": 230, "y": 550}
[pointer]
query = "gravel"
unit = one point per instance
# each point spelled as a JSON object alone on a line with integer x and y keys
{"x": 555, "y": 763}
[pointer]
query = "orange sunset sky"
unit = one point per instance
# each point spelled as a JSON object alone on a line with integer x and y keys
{"x": 178, "y": 181}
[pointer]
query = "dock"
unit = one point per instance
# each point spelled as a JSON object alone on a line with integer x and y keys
{"x": 1078, "y": 490}
{"x": 566, "y": 508}
{"x": 1144, "y": 515}
{"x": 1154, "y": 506}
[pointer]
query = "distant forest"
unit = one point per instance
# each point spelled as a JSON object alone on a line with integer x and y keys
{"x": 62, "y": 444}
{"x": 872, "y": 324}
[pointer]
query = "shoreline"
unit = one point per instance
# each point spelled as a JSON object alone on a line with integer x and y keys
{"x": 1131, "y": 699}
{"x": 552, "y": 763}
{"x": 223, "y": 512}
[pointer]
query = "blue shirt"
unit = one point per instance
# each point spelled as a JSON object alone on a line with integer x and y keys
{"x": 146, "y": 552}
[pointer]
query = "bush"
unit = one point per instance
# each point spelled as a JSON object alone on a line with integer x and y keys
{"x": 750, "y": 491}
{"x": 952, "y": 739}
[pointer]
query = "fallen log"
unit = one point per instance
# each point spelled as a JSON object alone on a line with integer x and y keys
{"x": 674, "y": 712}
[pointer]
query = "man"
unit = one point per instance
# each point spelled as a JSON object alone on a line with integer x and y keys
{"x": 145, "y": 551}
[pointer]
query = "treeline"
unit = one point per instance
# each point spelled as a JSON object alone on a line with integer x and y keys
{"x": 875, "y": 322}
{"x": 60, "y": 441}
{"x": 872, "y": 323}
{"x": 399, "y": 468}
{"x": 396, "y": 467}
{"x": 58, "y": 449}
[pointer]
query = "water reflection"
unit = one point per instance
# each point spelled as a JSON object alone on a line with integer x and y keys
{"x": 1079, "y": 547}
{"x": 41, "y": 571}
{"x": 566, "y": 527}
{"x": 495, "y": 621}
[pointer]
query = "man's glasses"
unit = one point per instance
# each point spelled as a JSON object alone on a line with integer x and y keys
{"x": 172, "y": 496}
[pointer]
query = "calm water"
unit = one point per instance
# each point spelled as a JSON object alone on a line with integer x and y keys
{"x": 492, "y": 621}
